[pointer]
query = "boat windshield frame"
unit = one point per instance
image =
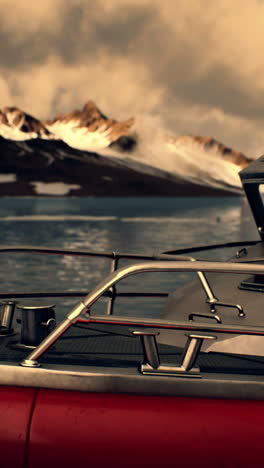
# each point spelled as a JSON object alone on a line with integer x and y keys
{"x": 252, "y": 177}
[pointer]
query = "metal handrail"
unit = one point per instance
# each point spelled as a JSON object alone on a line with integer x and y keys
{"x": 201, "y": 248}
{"x": 59, "y": 251}
{"x": 114, "y": 257}
{"x": 116, "y": 276}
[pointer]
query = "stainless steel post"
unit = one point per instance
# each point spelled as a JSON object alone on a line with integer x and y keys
{"x": 7, "y": 315}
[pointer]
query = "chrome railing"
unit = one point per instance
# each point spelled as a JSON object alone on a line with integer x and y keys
{"x": 153, "y": 266}
{"x": 114, "y": 258}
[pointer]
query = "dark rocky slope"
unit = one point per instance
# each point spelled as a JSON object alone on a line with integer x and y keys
{"x": 49, "y": 161}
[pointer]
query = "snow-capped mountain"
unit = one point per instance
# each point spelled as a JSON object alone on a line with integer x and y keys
{"x": 91, "y": 153}
{"x": 212, "y": 146}
{"x": 15, "y": 124}
{"x": 88, "y": 129}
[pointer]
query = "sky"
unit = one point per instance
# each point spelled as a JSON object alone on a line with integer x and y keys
{"x": 192, "y": 67}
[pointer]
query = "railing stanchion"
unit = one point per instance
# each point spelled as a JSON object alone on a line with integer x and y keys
{"x": 111, "y": 301}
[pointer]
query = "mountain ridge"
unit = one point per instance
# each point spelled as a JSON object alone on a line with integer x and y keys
{"x": 45, "y": 150}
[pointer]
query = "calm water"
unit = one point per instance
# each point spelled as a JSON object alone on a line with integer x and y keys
{"x": 137, "y": 225}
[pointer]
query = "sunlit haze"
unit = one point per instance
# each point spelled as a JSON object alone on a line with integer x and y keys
{"x": 193, "y": 67}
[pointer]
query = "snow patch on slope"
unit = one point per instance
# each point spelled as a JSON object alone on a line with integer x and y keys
{"x": 54, "y": 188}
{"x": 81, "y": 137}
{"x": 7, "y": 178}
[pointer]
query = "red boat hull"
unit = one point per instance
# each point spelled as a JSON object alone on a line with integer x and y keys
{"x": 91, "y": 429}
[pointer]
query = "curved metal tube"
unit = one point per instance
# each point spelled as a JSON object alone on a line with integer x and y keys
{"x": 165, "y": 266}
{"x": 116, "y": 276}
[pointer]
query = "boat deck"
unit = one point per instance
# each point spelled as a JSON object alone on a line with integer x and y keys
{"x": 103, "y": 345}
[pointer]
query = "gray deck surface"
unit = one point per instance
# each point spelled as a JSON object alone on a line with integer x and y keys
{"x": 105, "y": 345}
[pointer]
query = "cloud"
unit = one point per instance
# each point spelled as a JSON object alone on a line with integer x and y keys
{"x": 199, "y": 65}
{"x": 22, "y": 18}
{"x": 54, "y": 87}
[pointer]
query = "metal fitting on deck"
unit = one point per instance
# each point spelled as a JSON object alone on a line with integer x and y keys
{"x": 6, "y": 317}
{"x": 37, "y": 321}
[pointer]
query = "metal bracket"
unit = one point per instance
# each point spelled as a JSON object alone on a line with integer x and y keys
{"x": 152, "y": 366}
{"x": 214, "y": 317}
{"x": 50, "y": 324}
{"x": 215, "y": 302}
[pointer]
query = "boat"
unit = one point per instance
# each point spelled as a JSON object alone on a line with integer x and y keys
{"x": 123, "y": 391}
